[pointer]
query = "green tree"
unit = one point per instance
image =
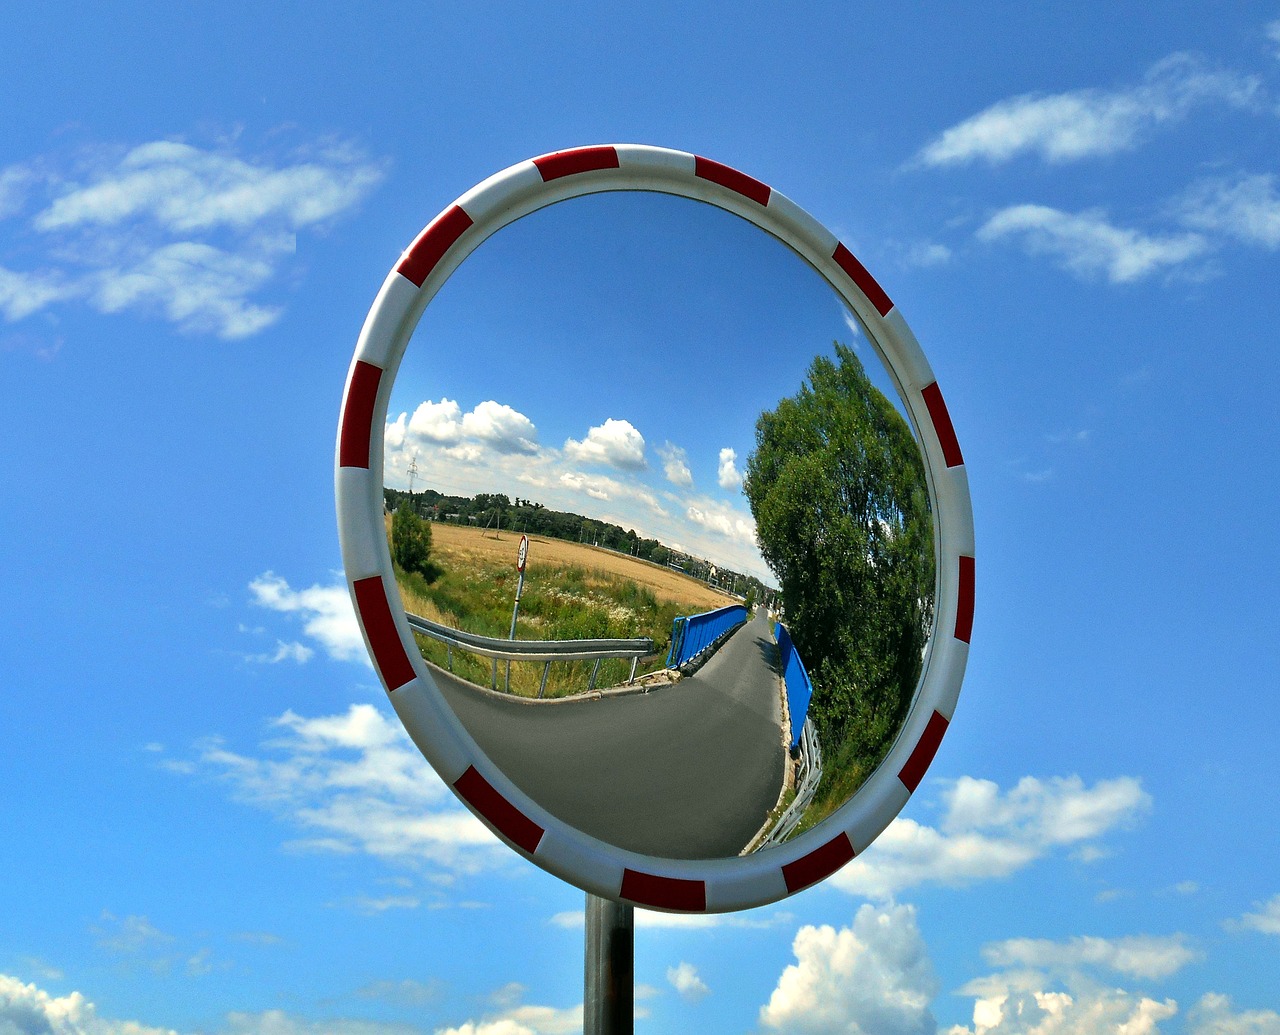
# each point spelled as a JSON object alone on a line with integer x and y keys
{"x": 411, "y": 541}
{"x": 837, "y": 487}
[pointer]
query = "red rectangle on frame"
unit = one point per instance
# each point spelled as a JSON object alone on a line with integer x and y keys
{"x": 380, "y": 627}
{"x": 513, "y": 824}
{"x": 357, "y": 415}
{"x": 913, "y": 772}
{"x": 417, "y": 263}
{"x": 818, "y": 864}
{"x": 649, "y": 889}
{"x": 964, "y": 600}
{"x": 579, "y": 160}
{"x": 867, "y": 284}
{"x": 726, "y": 176}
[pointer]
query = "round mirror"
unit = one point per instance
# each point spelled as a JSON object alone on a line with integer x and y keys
{"x": 656, "y": 527}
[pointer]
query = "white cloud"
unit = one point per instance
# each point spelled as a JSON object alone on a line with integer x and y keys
{"x": 872, "y": 977}
{"x": 327, "y": 613}
{"x": 987, "y": 834}
{"x": 491, "y": 425}
{"x": 1247, "y": 208}
{"x": 436, "y": 421}
{"x": 198, "y": 287}
{"x": 22, "y": 294}
{"x": 1087, "y": 245}
{"x": 724, "y": 520}
{"x": 277, "y": 1022}
{"x": 1089, "y": 123}
{"x": 924, "y": 255}
{"x": 354, "y": 782}
{"x": 128, "y": 936}
{"x": 183, "y": 189}
{"x": 728, "y": 475}
{"x": 500, "y": 427}
{"x": 191, "y": 235}
{"x": 292, "y": 651}
{"x": 597, "y": 488}
{"x": 615, "y": 443}
{"x": 1266, "y": 920}
{"x": 1212, "y": 1015}
{"x": 684, "y": 978}
{"x": 28, "y": 1008}
{"x": 1138, "y": 956}
{"x": 1020, "y": 1004}
{"x": 1273, "y": 34}
{"x": 675, "y": 465}
{"x": 524, "y": 1019}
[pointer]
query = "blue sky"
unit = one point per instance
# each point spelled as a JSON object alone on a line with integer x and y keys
{"x": 212, "y": 822}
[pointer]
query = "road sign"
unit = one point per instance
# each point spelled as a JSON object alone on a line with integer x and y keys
{"x": 523, "y": 555}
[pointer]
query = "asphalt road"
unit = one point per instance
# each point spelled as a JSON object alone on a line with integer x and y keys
{"x": 688, "y": 771}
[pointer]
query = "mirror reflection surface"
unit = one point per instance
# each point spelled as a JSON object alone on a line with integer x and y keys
{"x": 728, "y": 576}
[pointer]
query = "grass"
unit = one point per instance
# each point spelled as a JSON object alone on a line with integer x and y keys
{"x": 571, "y": 592}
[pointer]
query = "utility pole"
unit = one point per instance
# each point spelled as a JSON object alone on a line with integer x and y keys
{"x": 413, "y": 473}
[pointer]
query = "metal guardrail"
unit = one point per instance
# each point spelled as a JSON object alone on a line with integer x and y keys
{"x": 810, "y": 775}
{"x": 692, "y": 634}
{"x": 545, "y": 651}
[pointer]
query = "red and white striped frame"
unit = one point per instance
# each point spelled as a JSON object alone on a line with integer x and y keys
{"x": 680, "y": 885}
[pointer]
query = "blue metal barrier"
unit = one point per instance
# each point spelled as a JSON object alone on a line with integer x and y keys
{"x": 799, "y": 689}
{"x": 692, "y": 634}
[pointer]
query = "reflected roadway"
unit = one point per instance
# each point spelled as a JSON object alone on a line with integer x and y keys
{"x": 688, "y": 771}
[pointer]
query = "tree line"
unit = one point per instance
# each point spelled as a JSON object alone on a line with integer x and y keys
{"x": 524, "y": 516}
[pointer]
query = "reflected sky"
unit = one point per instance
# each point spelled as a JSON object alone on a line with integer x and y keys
{"x": 609, "y": 355}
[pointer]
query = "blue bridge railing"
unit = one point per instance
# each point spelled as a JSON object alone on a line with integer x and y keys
{"x": 799, "y": 689}
{"x": 692, "y": 634}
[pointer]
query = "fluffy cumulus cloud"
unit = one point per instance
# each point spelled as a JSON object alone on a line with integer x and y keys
{"x": 515, "y": 1018}
{"x": 492, "y": 424}
{"x": 1213, "y": 1015}
{"x": 986, "y": 833}
{"x": 1089, "y": 245}
{"x": 326, "y": 614}
{"x": 500, "y": 427}
{"x": 728, "y": 475}
{"x": 1246, "y": 208}
{"x": 26, "y": 1008}
{"x": 1088, "y": 123}
{"x": 675, "y": 465}
{"x": 1005, "y": 1006}
{"x": 353, "y": 782}
{"x": 191, "y": 235}
{"x": 685, "y": 979}
{"x": 615, "y": 443}
{"x": 871, "y": 978}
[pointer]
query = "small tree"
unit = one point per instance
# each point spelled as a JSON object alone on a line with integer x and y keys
{"x": 410, "y": 540}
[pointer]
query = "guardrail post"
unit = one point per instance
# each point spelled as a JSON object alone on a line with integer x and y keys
{"x": 632, "y": 678}
{"x": 594, "y": 672}
{"x": 546, "y": 669}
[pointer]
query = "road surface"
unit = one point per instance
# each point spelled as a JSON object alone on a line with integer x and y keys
{"x": 687, "y": 771}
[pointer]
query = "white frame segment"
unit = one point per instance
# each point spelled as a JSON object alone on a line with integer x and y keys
{"x": 678, "y": 885}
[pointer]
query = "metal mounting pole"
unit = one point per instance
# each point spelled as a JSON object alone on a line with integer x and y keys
{"x": 608, "y": 1003}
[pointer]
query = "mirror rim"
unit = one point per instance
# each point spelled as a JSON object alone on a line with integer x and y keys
{"x": 676, "y": 885}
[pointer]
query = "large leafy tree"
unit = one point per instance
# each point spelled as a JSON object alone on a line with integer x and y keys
{"x": 410, "y": 540}
{"x": 837, "y": 487}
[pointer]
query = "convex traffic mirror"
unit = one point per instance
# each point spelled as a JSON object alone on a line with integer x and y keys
{"x": 656, "y": 526}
